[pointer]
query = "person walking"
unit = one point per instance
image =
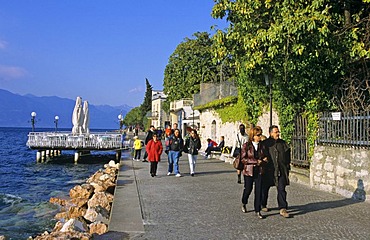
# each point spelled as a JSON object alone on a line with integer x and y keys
{"x": 149, "y": 136}
{"x": 253, "y": 156}
{"x": 137, "y": 148}
{"x": 192, "y": 146}
{"x": 240, "y": 139}
{"x": 174, "y": 148}
{"x": 154, "y": 149}
{"x": 277, "y": 170}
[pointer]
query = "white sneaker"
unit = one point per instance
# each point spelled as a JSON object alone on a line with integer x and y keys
{"x": 168, "y": 174}
{"x": 133, "y": 159}
{"x": 178, "y": 175}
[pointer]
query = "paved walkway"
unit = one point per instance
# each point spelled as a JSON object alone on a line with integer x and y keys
{"x": 208, "y": 206}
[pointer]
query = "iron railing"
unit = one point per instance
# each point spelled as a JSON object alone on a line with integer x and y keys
{"x": 344, "y": 129}
{"x": 66, "y": 140}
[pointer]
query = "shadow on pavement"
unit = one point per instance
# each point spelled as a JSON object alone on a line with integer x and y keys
{"x": 318, "y": 206}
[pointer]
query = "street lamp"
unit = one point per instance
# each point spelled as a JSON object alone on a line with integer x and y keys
{"x": 33, "y": 116}
{"x": 56, "y": 119}
{"x": 193, "y": 116}
{"x": 268, "y": 81}
{"x": 120, "y": 119}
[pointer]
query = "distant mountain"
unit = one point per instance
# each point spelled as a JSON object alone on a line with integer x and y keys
{"x": 15, "y": 111}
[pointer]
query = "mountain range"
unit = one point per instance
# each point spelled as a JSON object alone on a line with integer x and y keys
{"x": 15, "y": 111}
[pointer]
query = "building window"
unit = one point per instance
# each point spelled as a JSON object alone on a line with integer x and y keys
{"x": 213, "y": 130}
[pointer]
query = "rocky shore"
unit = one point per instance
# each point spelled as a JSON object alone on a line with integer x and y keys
{"x": 87, "y": 211}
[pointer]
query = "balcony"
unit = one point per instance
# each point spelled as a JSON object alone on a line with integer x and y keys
{"x": 180, "y": 104}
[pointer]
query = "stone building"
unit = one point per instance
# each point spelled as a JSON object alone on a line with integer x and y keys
{"x": 157, "y": 115}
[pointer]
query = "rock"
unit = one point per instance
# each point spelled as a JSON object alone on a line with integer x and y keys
{"x": 58, "y": 226}
{"x": 61, "y": 216}
{"x": 98, "y": 227}
{"x": 58, "y": 201}
{"x": 102, "y": 199}
{"x": 95, "y": 177}
{"x": 2, "y": 237}
{"x": 97, "y": 214}
{"x": 81, "y": 191}
{"x": 80, "y": 202}
{"x": 74, "y": 225}
{"x": 75, "y": 212}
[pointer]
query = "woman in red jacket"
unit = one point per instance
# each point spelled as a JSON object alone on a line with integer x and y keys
{"x": 154, "y": 149}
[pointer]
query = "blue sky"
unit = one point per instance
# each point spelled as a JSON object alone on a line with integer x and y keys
{"x": 100, "y": 50}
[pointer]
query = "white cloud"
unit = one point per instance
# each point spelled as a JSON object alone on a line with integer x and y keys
{"x": 11, "y": 72}
{"x": 136, "y": 90}
{"x": 3, "y": 44}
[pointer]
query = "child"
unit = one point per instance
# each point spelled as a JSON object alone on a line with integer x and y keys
{"x": 137, "y": 148}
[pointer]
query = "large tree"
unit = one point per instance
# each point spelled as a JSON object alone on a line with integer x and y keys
{"x": 188, "y": 64}
{"x": 297, "y": 42}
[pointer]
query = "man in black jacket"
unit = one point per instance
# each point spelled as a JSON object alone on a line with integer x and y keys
{"x": 277, "y": 170}
{"x": 149, "y": 137}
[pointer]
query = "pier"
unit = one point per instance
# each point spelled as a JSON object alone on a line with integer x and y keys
{"x": 50, "y": 144}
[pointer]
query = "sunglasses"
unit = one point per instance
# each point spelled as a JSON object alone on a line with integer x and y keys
{"x": 259, "y": 135}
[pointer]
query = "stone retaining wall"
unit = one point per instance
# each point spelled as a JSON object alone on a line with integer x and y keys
{"x": 341, "y": 170}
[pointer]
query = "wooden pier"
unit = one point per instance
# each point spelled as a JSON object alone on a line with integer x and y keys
{"x": 50, "y": 144}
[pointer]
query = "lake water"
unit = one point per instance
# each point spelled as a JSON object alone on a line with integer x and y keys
{"x": 27, "y": 186}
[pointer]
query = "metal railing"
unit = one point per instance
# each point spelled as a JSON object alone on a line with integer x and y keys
{"x": 345, "y": 129}
{"x": 64, "y": 140}
{"x": 213, "y": 91}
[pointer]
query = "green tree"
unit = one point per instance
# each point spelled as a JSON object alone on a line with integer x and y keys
{"x": 146, "y": 106}
{"x": 188, "y": 64}
{"x": 298, "y": 42}
{"x": 133, "y": 117}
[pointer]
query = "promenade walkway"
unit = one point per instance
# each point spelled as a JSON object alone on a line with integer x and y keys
{"x": 208, "y": 206}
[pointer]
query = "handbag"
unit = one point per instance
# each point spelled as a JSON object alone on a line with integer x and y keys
{"x": 236, "y": 152}
{"x": 238, "y": 164}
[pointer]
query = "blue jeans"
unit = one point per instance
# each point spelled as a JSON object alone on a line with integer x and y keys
{"x": 173, "y": 161}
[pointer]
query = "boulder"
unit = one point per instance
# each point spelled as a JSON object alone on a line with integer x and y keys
{"x": 97, "y": 214}
{"x": 80, "y": 202}
{"x": 103, "y": 199}
{"x": 74, "y": 225}
{"x": 75, "y": 212}
{"x": 61, "y": 216}
{"x": 58, "y": 201}
{"x": 81, "y": 191}
{"x": 98, "y": 228}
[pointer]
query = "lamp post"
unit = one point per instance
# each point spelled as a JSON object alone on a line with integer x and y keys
{"x": 268, "y": 81}
{"x": 56, "y": 119}
{"x": 33, "y": 116}
{"x": 193, "y": 116}
{"x": 120, "y": 120}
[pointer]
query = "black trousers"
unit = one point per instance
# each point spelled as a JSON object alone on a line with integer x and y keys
{"x": 281, "y": 193}
{"x": 210, "y": 149}
{"x": 248, "y": 187}
{"x": 137, "y": 154}
{"x": 153, "y": 168}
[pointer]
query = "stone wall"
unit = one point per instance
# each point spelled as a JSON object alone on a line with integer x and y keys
{"x": 229, "y": 130}
{"x": 341, "y": 170}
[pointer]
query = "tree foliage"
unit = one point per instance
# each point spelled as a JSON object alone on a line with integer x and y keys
{"x": 188, "y": 65}
{"x": 300, "y": 43}
{"x": 133, "y": 117}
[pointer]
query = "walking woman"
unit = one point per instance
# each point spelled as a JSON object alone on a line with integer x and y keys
{"x": 254, "y": 157}
{"x": 154, "y": 149}
{"x": 192, "y": 146}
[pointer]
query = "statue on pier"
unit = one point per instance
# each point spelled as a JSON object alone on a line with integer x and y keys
{"x": 77, "y": 117}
